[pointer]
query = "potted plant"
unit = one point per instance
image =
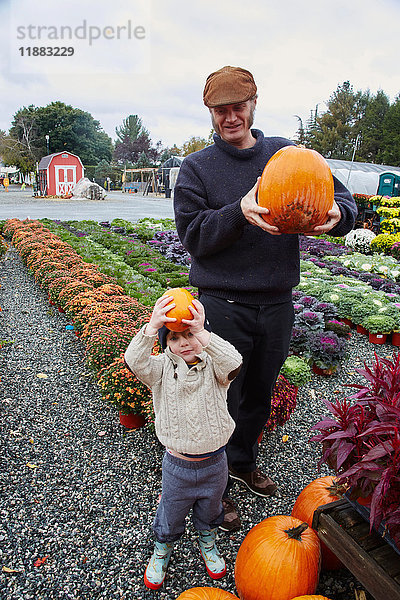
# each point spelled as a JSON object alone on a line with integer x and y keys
{"x": 298, "y": 340}
{"x": 379, "y": 326}
{"x": 296, "y": 370}
{"x": 338, "y": 327}
{"x": 346, "y": 303}
{"x": 294, "y": 373}
{"x": 309, "y": 319}
{"x": 359, "y": 240}
{"x": 121, "y": 389}
{"x": 359, "y": 311}
{"x": 325, "y": 351}
{"x": 395, "y": 337}
{"x": 361, "y": 442}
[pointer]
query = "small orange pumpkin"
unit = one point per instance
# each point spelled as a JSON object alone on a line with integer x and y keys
{"x": 320, "y": 491}
{"x": 278, "y": 559}
{"x": 182, "y": 299}
{"x": 206, "y": 593}
{"x": 297, "y": 188}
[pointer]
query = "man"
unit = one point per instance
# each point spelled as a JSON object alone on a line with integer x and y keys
{"x": 244, "y": 268}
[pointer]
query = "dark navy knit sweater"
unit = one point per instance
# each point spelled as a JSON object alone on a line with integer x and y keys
{"x": 231, "y": 258}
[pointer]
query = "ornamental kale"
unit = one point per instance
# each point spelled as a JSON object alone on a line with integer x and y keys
{"x": 341, "y": 329}
{"x": 326, "y": 349}
{"x": 320, "y": 247}
{"x": 307, "y": 301}
{"x": 309, "y": 319}
{"x": 298, "y": 341}
{"x": 328, "y": 309}
{"x": 168, "y": 243}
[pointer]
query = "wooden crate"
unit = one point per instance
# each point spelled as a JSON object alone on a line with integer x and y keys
{"x": 367, "y": 555}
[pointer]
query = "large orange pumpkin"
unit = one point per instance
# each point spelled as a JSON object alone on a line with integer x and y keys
{"x": 320, "y": 491}
{"x": 182, "y": 299}
{"x": 297, "y": 188}
{"x": 310, "y": 598}
{"x": 206, "y": 593}
{"x": 278, "y": 559}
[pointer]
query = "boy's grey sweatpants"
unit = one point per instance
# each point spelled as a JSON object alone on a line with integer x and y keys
{"x": 190, "y": 484}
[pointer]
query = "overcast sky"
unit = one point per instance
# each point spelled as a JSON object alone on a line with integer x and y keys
{"x": 297, "y": 50}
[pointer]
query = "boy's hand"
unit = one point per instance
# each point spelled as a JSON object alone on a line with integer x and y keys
{"x": 196, "y": 325}
{"x": 158, "y": 317}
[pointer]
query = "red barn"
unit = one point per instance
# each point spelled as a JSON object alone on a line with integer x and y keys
{"x": 58, "y": 173}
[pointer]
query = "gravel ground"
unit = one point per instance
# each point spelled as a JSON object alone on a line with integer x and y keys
{"x": 79, "y": 490}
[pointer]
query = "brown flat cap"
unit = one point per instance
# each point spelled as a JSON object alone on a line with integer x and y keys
{"x": 229, "y": 85}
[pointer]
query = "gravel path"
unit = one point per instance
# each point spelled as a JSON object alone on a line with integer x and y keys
{"x": 79, "y": 491}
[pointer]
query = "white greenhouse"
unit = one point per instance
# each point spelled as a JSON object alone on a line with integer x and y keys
{"x": 360, "y": 178}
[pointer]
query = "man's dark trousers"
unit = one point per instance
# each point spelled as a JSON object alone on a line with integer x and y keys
{"x": 262, "y": 336}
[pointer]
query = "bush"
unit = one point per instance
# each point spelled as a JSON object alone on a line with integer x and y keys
{"x": 283, "y": 403}
{"x": 341, "y": 329}
{"x": 326, "y": 349}
{"x": 382, "y": 243}
{"x": 395, "y": 250}
{"x": 124, "y": 391}
{"x": 360, "y": 240}
{"x": 296, "y": 371}
{"x": 3, "y": 246}
{"x": 360, "y": 310}
{"x": 379, "y": 323}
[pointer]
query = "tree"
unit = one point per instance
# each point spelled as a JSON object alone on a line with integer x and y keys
{"x": 19, "y": 146}
{"x": 143, "y": 161}
{"x": 74, "y": 130}
{"x": 371, "y": 128}
{"x": 133, "y": 140}
{"x": 168, "y": 152}
{"x": 301, "y": 133}
{"x": 103, "y": 170}
{"x": 193, "y": 144}
{"x": 333, "y": 133}
{"x": 68, "y": 128}
{"x": 11, "y": 153}
{"x": 391, "y": 135}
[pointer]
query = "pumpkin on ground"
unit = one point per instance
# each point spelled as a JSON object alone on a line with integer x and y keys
{"x": 297, "y": 188}
{"x": 278, "y": 559}
{"x": 310, "y": 598}
{"x": 320, "y": 491}
{"x": 206, "y": 593}
{"x": 182, "y": 299}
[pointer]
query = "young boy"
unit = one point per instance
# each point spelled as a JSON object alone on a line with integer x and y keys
{"x": 189, "y": 383}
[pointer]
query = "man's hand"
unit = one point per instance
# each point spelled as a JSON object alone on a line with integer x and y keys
{"x": 333, "y": 218}
{"x": 252, "y": 211}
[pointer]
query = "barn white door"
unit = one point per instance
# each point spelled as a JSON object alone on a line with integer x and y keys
{"x": 65, "y": 179}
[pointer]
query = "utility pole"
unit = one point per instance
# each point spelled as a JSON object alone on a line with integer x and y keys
{"x": 356, "y": 143}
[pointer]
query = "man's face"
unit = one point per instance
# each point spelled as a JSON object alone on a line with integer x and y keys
{"x": 184, "y": 344}
{"x": 233, "y": 121}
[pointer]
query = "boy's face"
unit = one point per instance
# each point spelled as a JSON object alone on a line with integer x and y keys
{"x": 184, "y": 344}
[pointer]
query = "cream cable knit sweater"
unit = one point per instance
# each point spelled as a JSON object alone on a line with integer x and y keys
{"x": 191, "y": 414}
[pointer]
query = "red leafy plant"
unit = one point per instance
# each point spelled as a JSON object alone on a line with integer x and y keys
{"x": 361, "y": 441}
